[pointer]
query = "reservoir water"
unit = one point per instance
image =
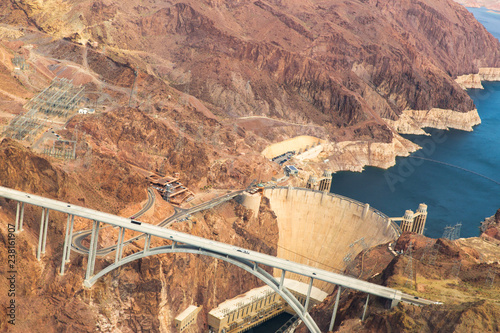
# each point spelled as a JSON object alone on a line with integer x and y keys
{"x": 457, "y": 173}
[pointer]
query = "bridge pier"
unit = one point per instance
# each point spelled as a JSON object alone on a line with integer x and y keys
{"x": 40, "y": 234}
{"x": 147, "y": 243}
{"x": 366, "y": 307}
{"x": 67, "y": 242}
{"x": 17, "y": 217}
{"x": 306, "y": 305}
{"x": 22, "y": 217}
{"x": 92, "y": 250}
{"x": 68, "y": 253}
{"x": 282, "y": 280}
{"x": 46, "y": 226}
{"x": 335, "y": 308}
{"x": 119, "y": 245}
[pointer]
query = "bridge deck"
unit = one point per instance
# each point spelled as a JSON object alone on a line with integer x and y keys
{"x": 213, "y": 246}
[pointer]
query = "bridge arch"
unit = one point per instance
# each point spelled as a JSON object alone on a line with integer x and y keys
{"x": 246, "y": 265}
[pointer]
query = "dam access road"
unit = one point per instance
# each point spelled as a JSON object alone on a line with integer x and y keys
{"x": 180, "y": 213}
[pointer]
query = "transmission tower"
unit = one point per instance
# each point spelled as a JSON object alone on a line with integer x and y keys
{"x": 427, "y": 250}
{"x": 456, "y": 231}
{"x": 409, "y": 267}
{"x": 452, "y": 233}
{"x": 456, "y": 269}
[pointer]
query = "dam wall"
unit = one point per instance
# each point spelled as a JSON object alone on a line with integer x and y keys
{"x": 325, "y": 230}
{"x": 298, "y": 143}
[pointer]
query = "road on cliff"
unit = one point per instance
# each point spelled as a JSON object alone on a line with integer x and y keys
{"x": 179, "y": 215}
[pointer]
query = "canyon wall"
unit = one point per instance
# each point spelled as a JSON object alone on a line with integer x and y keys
{"x": 413, "y": 121}
{"x": 473, "y": 81}
{"x": 489, "y": 74}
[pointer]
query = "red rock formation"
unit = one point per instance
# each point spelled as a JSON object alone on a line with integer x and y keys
{"x": 334, "y": 63}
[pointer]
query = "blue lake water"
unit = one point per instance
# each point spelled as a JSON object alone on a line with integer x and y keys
{"x": 457, "y": 173}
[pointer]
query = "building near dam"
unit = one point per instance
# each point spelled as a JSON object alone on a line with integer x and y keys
{"x": 186, "y": 318}
{"x": 258, "y": 305}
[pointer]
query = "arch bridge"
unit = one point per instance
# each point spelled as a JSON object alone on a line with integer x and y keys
{"x": 250, "y": 261}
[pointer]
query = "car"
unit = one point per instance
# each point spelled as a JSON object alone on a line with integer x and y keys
{"x": 136, "y": 222}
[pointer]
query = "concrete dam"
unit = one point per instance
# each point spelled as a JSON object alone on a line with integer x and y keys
{"x": 322, "y": 229}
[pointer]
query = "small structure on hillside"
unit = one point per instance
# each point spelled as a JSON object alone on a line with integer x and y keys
{"x": 170, "y": 188}
{"x": 86, "y": 111}
{"x": 291, "y": 170}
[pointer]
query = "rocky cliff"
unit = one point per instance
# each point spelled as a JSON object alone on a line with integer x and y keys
{"x": 335, "y": 63}
{"x": 473, "y": 81}
{"x": 489, "y": 74}
{"x": 413, "y": 121}
{"x": 469, "y": 81}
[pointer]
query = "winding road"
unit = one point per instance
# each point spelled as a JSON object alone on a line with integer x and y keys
{"x": 78, "y": 237}
{"x": 179, "y": 214}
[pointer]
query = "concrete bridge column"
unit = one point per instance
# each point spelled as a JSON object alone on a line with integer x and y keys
{"x": 306, "y": 305}
{"x": 17, "y": 217}
{"x": 335, "y": 308}
{"x": 119, "y": 245}
{"x": 22, "y": 217}
{"x": 282, "y": 281}
{"x": 45, "y": 231}
{"x": 67, "y": 242}
{"x": 40, "y": 235}
{"x": 147, "y": 243}
{"x": 92, "y": 250}
{"x": 366, "y": 307}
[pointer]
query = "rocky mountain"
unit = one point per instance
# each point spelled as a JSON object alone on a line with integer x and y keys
{"x": 201, "y": 88}
{"x": 340, "y": 64}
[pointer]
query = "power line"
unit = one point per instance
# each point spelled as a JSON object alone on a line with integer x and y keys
{"x": 457, "y": 167}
